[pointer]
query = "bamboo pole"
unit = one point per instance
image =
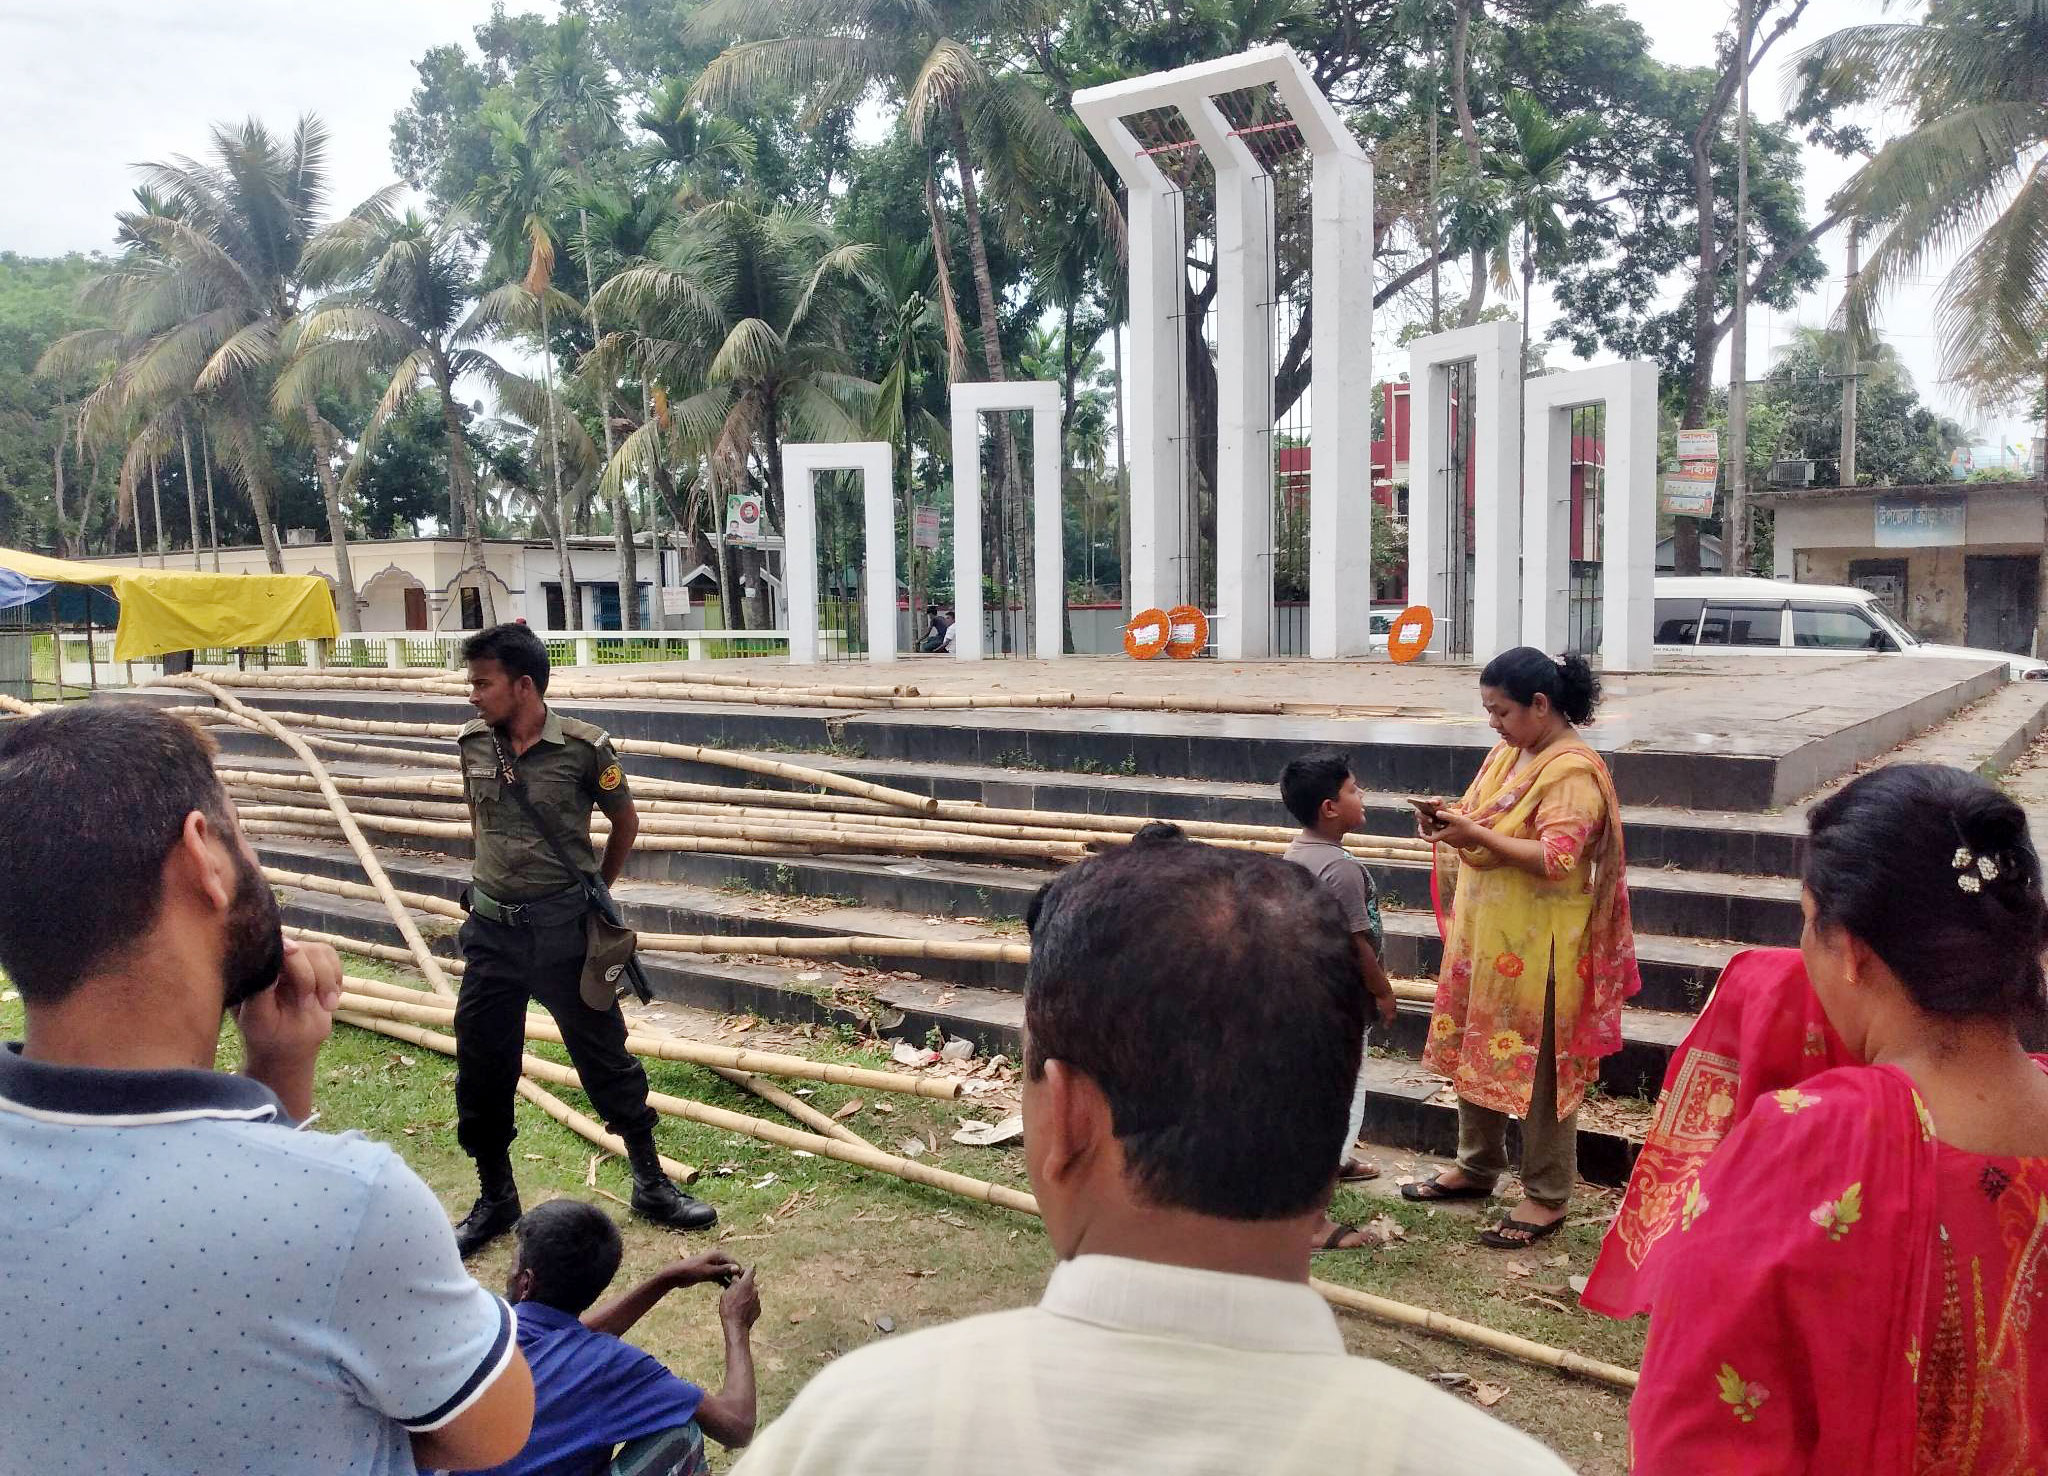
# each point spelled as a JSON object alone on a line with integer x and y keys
{"x": 957, "y": 950}
{"x": 1381, "y": 1309}
{"x": 386, "y": 893}
{"x": 796, "y": 1107}
{"x": 676, "y": 1048}
{"x": 862, "y": 1156}
{"x": 342, "y": 943}
{"x": 1527, "y": 1350}
{"x": 575, "y": 1121}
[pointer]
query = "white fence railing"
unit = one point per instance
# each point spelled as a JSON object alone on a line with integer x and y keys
{"x": 433, "y": 649}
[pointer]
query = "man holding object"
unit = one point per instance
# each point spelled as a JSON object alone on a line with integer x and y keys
{"x": 529, "y": 774}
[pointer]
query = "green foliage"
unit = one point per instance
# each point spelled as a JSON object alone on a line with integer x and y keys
{"x": 38, "y": 305}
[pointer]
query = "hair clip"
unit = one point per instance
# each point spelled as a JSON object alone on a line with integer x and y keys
{"x": 1962, "y": 858}
{"x": 1987, "y": 868}
{"x": 1969, "y": 883}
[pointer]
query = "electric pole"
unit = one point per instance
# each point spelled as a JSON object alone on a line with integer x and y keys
{"x": 1735, "y": 537}
{"x": 1847, "y": 475}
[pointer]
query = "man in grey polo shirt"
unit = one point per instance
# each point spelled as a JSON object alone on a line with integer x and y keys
{"x": 194, "y": 1283}
{"x": 1321, "y": 793}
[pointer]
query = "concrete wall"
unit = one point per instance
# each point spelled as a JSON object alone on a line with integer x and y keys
{"x": 1818, "y": 541}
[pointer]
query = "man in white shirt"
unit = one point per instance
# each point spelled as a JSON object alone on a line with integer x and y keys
{"x": 1193, "y": 1024}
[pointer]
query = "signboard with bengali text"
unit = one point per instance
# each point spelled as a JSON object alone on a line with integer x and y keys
{"x": 1905, "y": 522}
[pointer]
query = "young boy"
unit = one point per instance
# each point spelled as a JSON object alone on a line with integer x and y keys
{"x": 1320, "y": 791}
{"x": 592, "y": 1392}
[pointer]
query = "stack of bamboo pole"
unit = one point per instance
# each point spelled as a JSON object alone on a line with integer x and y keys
{"x": 691, "y": 684}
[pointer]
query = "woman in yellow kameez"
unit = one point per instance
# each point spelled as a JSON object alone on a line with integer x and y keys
{"x": 1538, "y": 955}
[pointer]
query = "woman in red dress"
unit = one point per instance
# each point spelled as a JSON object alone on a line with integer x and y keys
{"x": 1856, "y": 1278}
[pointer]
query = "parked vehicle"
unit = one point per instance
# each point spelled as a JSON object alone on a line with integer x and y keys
{"x": 1724, "y": 613}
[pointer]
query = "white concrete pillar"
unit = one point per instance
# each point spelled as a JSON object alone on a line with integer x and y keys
{"x": 969, "y": 617}
{"x": 1041, "y": 399}
{"x": 1244, "y": 389}
{"x": 801, "y": 462}
{"x": 1340, "y": 467}
{"x": 1628, "y": 545}
{"x": 1494, "y": 351}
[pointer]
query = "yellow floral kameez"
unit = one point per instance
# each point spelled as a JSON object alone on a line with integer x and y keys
{"x": 1511, "y": 933}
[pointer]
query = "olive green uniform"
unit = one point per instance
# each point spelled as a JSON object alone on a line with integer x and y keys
{"x": 524, "y": 937}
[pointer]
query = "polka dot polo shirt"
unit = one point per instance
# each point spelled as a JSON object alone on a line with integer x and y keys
{"x": 193, "y": 1285}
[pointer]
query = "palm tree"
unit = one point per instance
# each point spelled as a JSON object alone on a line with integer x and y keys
{"x": 515, "y": 202}
{"x": 739, "y": 314}
{"x": 1531, "y": 174}
{"x": 1971, "y": 174}
{"x": 218, "y": 319}
{"x": 697, "y": 156}
{"x": 925, "y": 57}
{"x": 913, "y": 347}
{"x": 399, "y": 316}
{"x": 578, "y": 107}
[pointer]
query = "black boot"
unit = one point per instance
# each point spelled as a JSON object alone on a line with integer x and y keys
{"x": 496, "y": 1209}
{"x": 655, "y": 1198}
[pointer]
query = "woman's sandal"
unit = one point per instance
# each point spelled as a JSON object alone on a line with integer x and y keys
{"x": 1356, "y": 1171}
{"x": 1498, "y": 1237}
{"x": 1334, "y": 1241}
{"x": 1434, "y": 1191}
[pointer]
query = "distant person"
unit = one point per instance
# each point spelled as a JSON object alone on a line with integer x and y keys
{"x": 1540, "y": 955}
{"x": 1323, "y": 796}
{"x": 592, "y": 1392}
{"x": 1855, "y": 1280}
{"x": 194, "y": 1282}
{"x": 528, "y": 773}
{"x": 934, "y": 629}
{"x": 946, "y": 641}
{"x": 1192, "y": 1029}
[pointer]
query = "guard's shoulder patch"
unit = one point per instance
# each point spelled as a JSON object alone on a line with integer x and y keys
{"x": 612, "y": 777}
{"x": 587, "y": 732}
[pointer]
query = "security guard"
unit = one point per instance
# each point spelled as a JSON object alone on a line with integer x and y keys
{"x": 525, "y": 935}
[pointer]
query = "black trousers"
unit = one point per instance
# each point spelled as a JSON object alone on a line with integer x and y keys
{"x": 507, "y": 967}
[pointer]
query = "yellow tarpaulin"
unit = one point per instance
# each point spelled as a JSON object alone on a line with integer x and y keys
{"x": 186, "y": 610}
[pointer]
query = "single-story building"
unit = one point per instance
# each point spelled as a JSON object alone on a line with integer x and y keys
{"x": 1958, "y": 563}
{"x": 424, "y": 584}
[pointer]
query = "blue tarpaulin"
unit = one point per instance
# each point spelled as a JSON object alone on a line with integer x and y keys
{"x": 19, "y": 589}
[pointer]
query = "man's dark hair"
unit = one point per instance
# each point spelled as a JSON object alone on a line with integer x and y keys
{"x": 514, "y": 647}
{"x": 1309, "y": 780}
{"x": 92, "y": 799}
{"x": 573, "y": 1251}
{"x": 1213, "y": 996}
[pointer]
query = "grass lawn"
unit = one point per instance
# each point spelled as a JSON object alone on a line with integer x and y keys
{"x": 840, "y": 1249}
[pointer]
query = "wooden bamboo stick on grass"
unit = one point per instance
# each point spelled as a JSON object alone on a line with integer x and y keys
{"x": 1401, "y": 1314}
{"x": 673, "y": 1048}
{"x": 861, "y": 1156}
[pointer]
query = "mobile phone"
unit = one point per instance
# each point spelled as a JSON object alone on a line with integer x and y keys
{"x": 1428, "y": 807}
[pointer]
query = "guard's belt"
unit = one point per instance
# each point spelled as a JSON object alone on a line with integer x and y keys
{"x": 556, "y": 908}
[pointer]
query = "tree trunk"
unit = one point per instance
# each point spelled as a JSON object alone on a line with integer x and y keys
{"x": 266, "y": 524}
{"x": 67, "y": 542}
{"x": 1468, "y": 130}
{"x": 212, "y": 519}
{"x": 462, "y": 487}
{"x": 572, "y": 611}
{"x": 191, "y": 487}
{"x": 324, "y": 440}
{"x": 622, "y": 522}
{"x": 156, "y": 508}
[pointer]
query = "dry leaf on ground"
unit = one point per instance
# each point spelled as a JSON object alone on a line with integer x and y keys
{"x": 852, "y": 1106}
{"x": 1487, "y": 1394}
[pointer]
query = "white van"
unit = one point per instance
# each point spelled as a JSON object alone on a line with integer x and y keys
{"x": 1721, "y": 613}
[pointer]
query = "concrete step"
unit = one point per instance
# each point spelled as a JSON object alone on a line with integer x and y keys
{"x": 1406, "y": 1107}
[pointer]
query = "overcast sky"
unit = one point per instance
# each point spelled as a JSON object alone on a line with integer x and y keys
{"x": 90, "y": 87}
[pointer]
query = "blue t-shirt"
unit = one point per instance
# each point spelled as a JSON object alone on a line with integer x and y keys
{"x": 590, "y": 1392}
{"x": 192, "y": 1285}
